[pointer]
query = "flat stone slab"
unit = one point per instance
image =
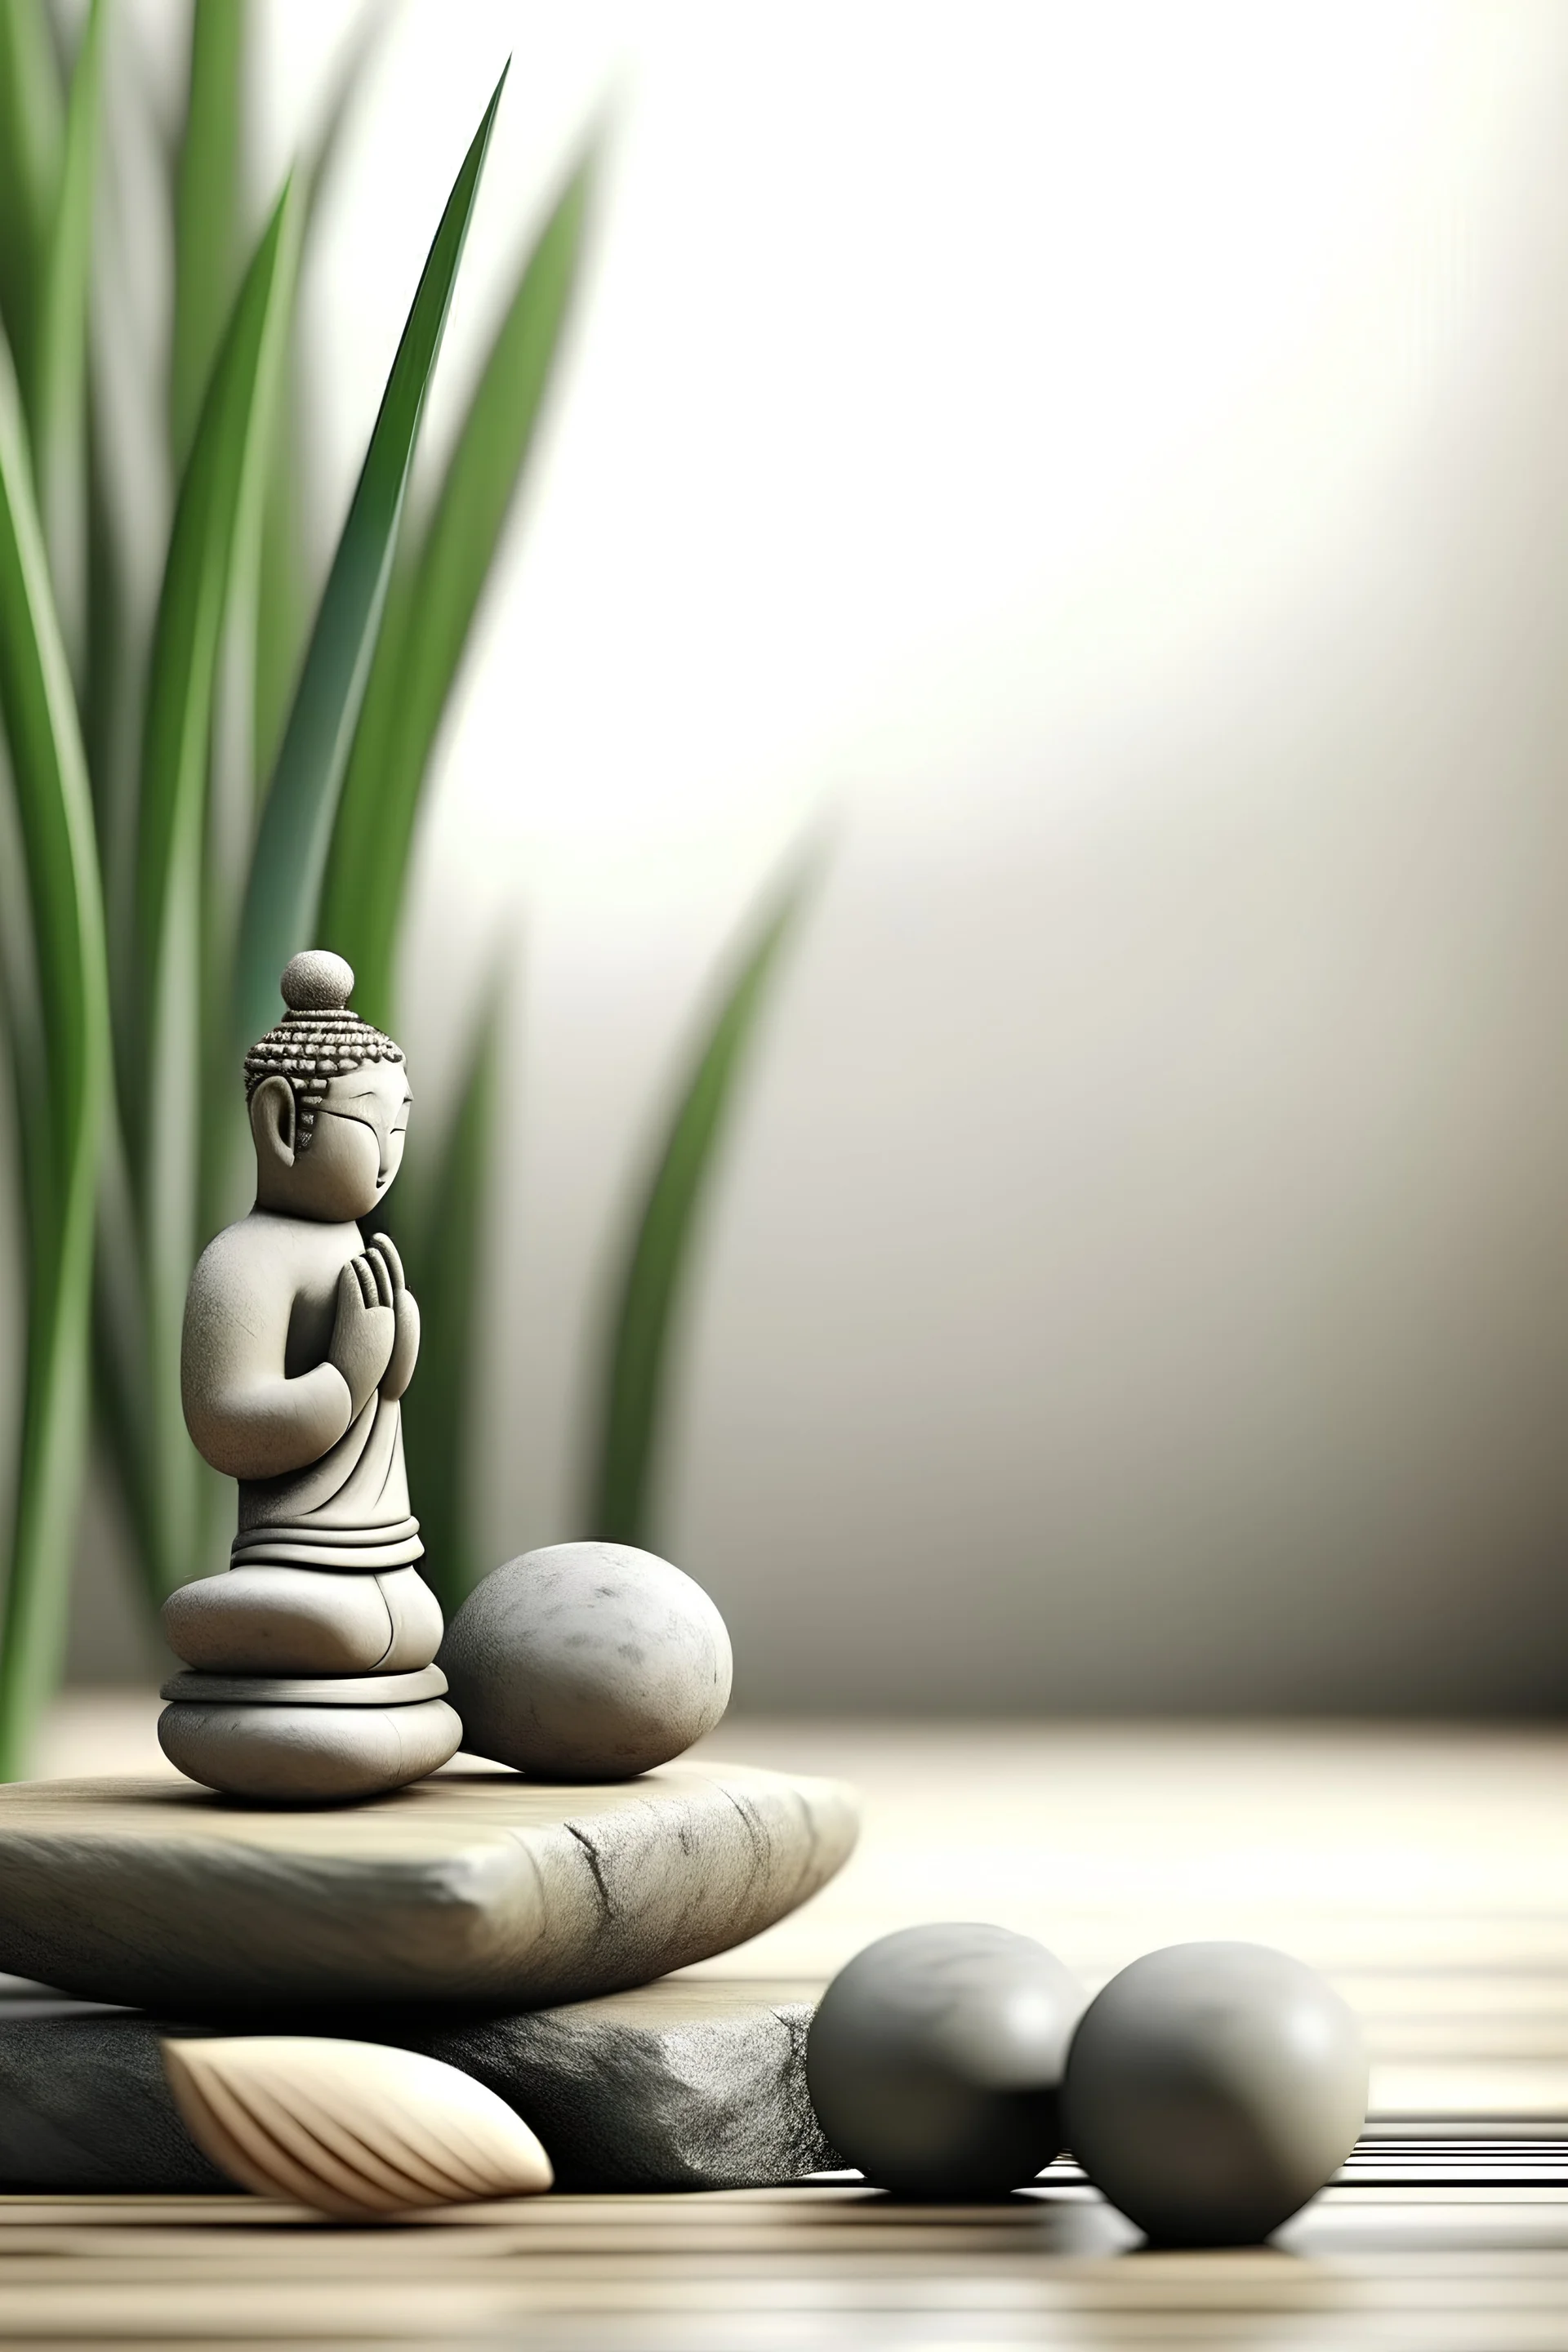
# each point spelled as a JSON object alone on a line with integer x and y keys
{"x": 698, "y": 2086}
{"x": 474, "y": 1887}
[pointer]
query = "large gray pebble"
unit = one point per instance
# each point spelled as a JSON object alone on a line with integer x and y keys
{"x": 586, "y": 1662}
{"x": 935, "y": 2059}
{"x": 1213, "y": 2088}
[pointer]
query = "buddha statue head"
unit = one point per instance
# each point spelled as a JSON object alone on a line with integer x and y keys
{"x": 329, "y": 1100}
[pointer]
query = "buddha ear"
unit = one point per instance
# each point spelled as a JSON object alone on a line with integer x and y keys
{"x": 272, "y": 1123}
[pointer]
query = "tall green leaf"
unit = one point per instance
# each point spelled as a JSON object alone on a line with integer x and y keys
{"x": 55, "y": 814}
{"x": 283, "y": 590}
{"x": 442, "y": 1237}
{"x": 130, "y": 482}
{"x": 160, "y": 1091}
{"x": 59, "y": 404}
{"x": 430, "y": 610}
{"x": 31, "y": 116}
{"x": 269, "y": 608}
{"x": 296, "y": 821}
{"x": 634, "y": 1393}
{"x": 283, "y": 602}
{"x": 209, "y": 208}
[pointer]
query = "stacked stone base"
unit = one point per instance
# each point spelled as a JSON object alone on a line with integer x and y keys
{"x": 513, "y": 1929}
{"x": 307, "y": 1684}
{"x": 681, "y": 2086}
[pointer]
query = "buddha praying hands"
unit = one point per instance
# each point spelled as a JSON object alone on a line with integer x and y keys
{"x": 300, "y": 1342}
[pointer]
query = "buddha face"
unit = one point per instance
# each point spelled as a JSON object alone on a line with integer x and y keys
{"x": 355, "y": 1151}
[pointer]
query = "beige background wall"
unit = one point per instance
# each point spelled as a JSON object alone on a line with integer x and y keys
{"x": 1118, "y": 458}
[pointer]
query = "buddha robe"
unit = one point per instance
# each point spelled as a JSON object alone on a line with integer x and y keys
{"x": 348, "y": 1511}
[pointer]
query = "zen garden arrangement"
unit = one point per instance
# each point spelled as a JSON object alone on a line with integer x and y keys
{"x": 407, "y": 1932}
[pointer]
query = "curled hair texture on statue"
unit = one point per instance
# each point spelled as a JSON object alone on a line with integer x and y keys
{"x": 317, "y": 1040}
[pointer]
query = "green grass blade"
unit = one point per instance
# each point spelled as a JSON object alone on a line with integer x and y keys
{"x": 264, "y": 634}
{"x": 283, "y": 599}
{"x": 55, "y": 813}
{"x": 209, "y": 199}
{"x": 323, "y": 149}
{"x": 291, "y": 856}
{"x": 59, "y": 405}
{"x": 635, "y": 1385}
{"x": 31, "y": 118}
{"x": 122, "y": 1414}
{"x": 130, "y": 500}
{"x": 159, "y": 1093}
{"x": 447, "y": 1268}
{"x": 431, "y": 609}
{"x": 21, "y": 1016}
{"x": 222, "y": 469}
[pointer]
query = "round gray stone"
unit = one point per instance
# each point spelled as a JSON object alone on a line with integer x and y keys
{"x": 586, "y": 1662}
{"x": 935, "y": 2059}
{"x": 1212, "y": 2088}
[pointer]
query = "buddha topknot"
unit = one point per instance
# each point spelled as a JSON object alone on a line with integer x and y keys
{"x": 317, "y": 1039}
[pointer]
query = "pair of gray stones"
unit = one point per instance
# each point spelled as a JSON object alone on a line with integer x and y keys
{"x": 1208, "y": 2090}
{"x": 585, "y": 1662}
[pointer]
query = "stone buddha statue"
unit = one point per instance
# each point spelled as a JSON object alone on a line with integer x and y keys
{"x": 312, "y": 1656}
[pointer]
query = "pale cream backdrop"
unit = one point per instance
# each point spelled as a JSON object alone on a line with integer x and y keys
{"x": 1115, "y": 457}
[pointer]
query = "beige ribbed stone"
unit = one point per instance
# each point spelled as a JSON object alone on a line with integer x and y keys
{"x": 349, "y": 2128}
{"x": 303, "y": 1621}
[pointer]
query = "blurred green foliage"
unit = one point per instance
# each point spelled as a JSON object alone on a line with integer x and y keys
{"x": 642, "y": 1324}
{"x": 163, "y": 886}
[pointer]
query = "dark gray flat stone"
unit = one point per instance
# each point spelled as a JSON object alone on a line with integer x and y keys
{"x": 475, "y": 1887}
{"x": 698, "y": 2086}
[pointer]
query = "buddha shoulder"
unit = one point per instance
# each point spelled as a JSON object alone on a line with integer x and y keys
{"x": 263, "y": 1262}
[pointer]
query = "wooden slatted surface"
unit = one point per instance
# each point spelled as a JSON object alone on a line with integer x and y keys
{"x": 1484, "y": 2272}
{"x": 1427, "y": 1871}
